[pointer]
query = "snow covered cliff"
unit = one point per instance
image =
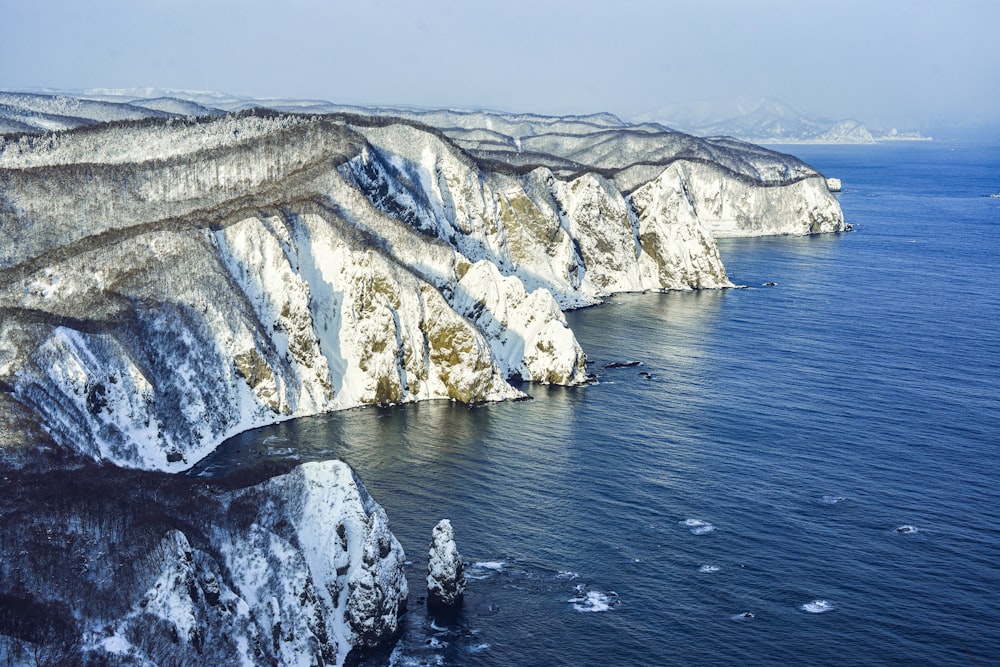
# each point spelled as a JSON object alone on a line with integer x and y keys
{"x": 168, "y": 282}
{"x": 445, "y": 568}
{"x": 154, "y": 304}
{"x": 126, "y": 567}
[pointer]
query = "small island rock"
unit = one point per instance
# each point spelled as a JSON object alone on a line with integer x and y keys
{"x": 445, "y": 570}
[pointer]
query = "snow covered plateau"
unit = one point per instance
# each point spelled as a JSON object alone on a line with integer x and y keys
{"x": 174, "y": 272}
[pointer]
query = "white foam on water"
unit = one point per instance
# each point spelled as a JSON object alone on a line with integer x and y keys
{"x": 594, "y": 601}
{"x": 698, "y": 527}
{"x": 288, "y": 452}
{"x": 709, "y": 568}
{"x": 496, "y": 565}
{"x": 478, "y": 648}
{"x": 484, "y": 569}
{"x": 566, "y": 574}
{"x": 397, "y": 659}
{"x": 817, "y": 606}
{"x": 833, "y": 500}
{"x": 906, "y": 528}
{"x": 436, "y": 643}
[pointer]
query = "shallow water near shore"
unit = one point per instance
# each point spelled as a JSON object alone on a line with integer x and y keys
{"x": 805, "y": 472}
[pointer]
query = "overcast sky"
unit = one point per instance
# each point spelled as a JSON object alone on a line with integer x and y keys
{"x": 899, "y": 62}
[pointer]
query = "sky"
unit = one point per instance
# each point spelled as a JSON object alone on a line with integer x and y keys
{"x": 909, "y": 63}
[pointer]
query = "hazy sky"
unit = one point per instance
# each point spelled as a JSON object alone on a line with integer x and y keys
{"x": 896, "y": 62}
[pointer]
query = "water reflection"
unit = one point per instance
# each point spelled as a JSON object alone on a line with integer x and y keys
{"x": 672, "y": 335}
{"x": 432, "y": 433}
{"x": 800, "y": 261}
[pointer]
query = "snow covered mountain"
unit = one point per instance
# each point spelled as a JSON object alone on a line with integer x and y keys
{"x": 763, "y": 120}
{"x": 37, "y": 113}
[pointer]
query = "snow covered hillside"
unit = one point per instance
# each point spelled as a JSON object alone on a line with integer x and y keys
{"x": 126, "y": 567}
{"x": 170, "y": 281}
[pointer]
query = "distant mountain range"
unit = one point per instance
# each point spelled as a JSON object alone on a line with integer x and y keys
{"x": 767, "y": 120}
{"x": 757, "y": 120}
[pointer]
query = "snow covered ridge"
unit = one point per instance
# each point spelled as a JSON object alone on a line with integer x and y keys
{"x": 168, "y": 282}
{"x": 300, "y": 569}
{"x": 35, "y": 113}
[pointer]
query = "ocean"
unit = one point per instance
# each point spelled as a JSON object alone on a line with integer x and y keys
{"x": 799, "y": 473}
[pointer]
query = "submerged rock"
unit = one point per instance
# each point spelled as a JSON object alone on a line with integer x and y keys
{"x": 445, "y": 570}
{"x": 622, "y": 364}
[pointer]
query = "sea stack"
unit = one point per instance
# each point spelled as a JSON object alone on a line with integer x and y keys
{"x": 445, "y": 571}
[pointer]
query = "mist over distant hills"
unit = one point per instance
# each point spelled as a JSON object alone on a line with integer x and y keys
{"x": 753, "y": 119}
{"x": 767, "y": 120}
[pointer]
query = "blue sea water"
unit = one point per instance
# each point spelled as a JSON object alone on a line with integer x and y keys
{"x": 807, "y": 473}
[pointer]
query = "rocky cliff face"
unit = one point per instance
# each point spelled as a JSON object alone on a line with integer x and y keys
{"x": 140, "y": 568}
{"x": 739, "y": 207}
{"x": 445, "y": 569}
{"x": 146, "y": 322}
{"x": 167, "y": 283}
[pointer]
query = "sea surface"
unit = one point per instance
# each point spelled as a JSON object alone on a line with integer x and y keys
{"x": 803, "y": 473}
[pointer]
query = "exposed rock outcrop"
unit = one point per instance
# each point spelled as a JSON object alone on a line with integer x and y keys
{"x": 300, "y": 569}
{"x": 445, "y": 569}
